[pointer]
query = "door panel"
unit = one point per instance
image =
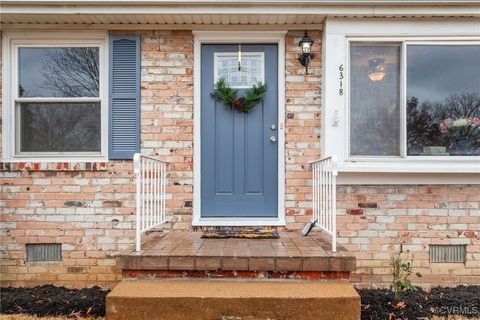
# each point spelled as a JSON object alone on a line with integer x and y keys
{"x": 239, "y": 161}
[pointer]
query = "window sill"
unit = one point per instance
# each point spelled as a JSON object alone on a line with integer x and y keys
{"x": 53, "y": 166}
{"x": 408, "y": 166}
{"x": 408, "y": 173}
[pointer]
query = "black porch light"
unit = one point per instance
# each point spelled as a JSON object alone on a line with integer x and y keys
{"x": 307, "y": 55}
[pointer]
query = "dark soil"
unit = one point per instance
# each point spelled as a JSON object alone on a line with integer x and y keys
{"x": 381, "y": 303}
{"x": 377, "y": 304}
{"x": 49, "y": 300}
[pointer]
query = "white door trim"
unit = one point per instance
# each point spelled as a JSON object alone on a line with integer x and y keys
{"x": 276, "y": 37}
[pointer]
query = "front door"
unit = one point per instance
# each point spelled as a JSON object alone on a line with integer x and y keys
{"x": 239, "y": 151}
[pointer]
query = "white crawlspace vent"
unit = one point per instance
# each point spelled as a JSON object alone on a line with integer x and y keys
{"x": 447, "y": 253}
{"x": 44, "y": 252}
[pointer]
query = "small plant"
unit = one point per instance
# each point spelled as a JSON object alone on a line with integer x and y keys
{"x": 402, "y": 268}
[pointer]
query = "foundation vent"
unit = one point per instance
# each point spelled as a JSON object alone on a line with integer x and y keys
{"x": 44, "y": 252}
{"x": 447, "y": 253}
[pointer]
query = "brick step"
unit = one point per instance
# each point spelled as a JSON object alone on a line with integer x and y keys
{"x": 232, "y": 299}
{"x": 186, "y": 253}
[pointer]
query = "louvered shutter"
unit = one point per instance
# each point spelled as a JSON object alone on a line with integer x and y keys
{"x": 124, "y": 96}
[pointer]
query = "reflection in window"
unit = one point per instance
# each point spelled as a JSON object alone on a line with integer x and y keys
{"x": 59, "y": 72}
{"x": 65, "y": 123}
{"x": 374, "y": 100}
{"x": 60, "y": 127}
{"x": 443, "y": 100}
{"x": 250, "y": 73}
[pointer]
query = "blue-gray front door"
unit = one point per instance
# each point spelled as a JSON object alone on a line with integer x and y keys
{"x": 239, "y": 151}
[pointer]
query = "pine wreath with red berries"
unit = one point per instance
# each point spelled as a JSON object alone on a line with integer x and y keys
{"x": 228, "y": 96}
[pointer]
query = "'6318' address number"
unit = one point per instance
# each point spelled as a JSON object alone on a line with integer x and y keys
{"x": 340, "y": 80}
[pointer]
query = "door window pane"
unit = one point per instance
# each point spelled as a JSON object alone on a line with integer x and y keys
{"x": 59, "y": 72}
{"x": 59, "y": 127}
{"x": 443, "y": 100}
{"x": 375, "y": 100}
{"x": 250, "y": 73}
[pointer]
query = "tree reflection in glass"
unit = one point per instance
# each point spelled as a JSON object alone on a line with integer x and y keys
{"x": 443, "y": 100}
{"x": 60, "y": 126}
{"x": 59, "y": 72}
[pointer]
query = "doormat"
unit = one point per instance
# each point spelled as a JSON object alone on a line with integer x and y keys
{"x": 254, "y": 233}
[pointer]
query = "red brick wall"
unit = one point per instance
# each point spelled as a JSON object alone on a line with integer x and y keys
{"x": 90, "y": 208}
{"x": 414, "y": 216}
{"x": 302, "y": 127}
{"x": 167, "y": 114}
{"x": 91, "y": 212}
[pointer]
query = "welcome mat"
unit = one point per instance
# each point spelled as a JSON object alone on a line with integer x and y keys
{"x": 254, "y": 233}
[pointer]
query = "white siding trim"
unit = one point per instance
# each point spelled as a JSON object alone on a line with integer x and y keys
{"x": 200, "y": 37}
{"x": 161, "y": 25}
{"x": 389, "y": 178}
{"x": 332, "y": 8}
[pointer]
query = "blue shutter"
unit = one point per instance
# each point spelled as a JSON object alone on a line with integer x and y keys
{"x": 124, "y": 96}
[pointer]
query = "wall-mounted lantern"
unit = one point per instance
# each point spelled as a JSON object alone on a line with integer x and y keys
{"x": 307, "y": 55}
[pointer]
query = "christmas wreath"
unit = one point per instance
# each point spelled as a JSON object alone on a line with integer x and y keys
{"x": 228, "y": 96}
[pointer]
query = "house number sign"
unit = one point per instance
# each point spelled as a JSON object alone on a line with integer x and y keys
{"x": 340, "y": 80}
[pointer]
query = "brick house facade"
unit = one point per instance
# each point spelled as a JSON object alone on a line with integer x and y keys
{"x": 90, "y": 207}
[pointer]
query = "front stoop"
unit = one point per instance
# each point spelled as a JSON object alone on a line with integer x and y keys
{"x": 182, "y": 254}
{"x": 233, "y": 299}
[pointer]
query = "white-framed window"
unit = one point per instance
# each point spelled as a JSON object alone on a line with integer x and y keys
{"x": 251, "y": 71}
{"x": 55, "y": 96}
{"x": 402, "y": 98}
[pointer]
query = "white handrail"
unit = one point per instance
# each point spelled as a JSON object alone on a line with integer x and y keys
{"x": 324, "y": 196}
{"x": 151, "y": 183}
{"x": 334, "y": 158}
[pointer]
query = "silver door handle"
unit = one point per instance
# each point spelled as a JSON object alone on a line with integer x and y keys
{"x": 273, "y": 139}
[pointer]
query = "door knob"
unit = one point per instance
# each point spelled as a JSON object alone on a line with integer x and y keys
{"x": 273, "y": 139}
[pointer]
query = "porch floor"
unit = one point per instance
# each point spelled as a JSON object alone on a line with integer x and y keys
{"x": 187, "y": 251}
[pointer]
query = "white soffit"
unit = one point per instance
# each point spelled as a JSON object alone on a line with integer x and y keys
{"x": 169, "y": 19}
{"x": 225, "y": 12}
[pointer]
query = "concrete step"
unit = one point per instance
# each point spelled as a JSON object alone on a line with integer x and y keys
{"x": 233, "y": 300}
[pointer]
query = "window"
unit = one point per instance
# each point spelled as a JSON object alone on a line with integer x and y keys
{"x": 438, "y": 112}
{"x": 443, "y": 100}
{"x": 58, "y": 109}
{"x": 375, "y": 100}
{"x": 251, "y": 71}
{"x": 401, "y": 96}
{"x": 58, "y": 104}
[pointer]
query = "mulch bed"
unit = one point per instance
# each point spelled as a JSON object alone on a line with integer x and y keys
{"x": 49, "y": 300}
{"x": 382, "y": 304}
